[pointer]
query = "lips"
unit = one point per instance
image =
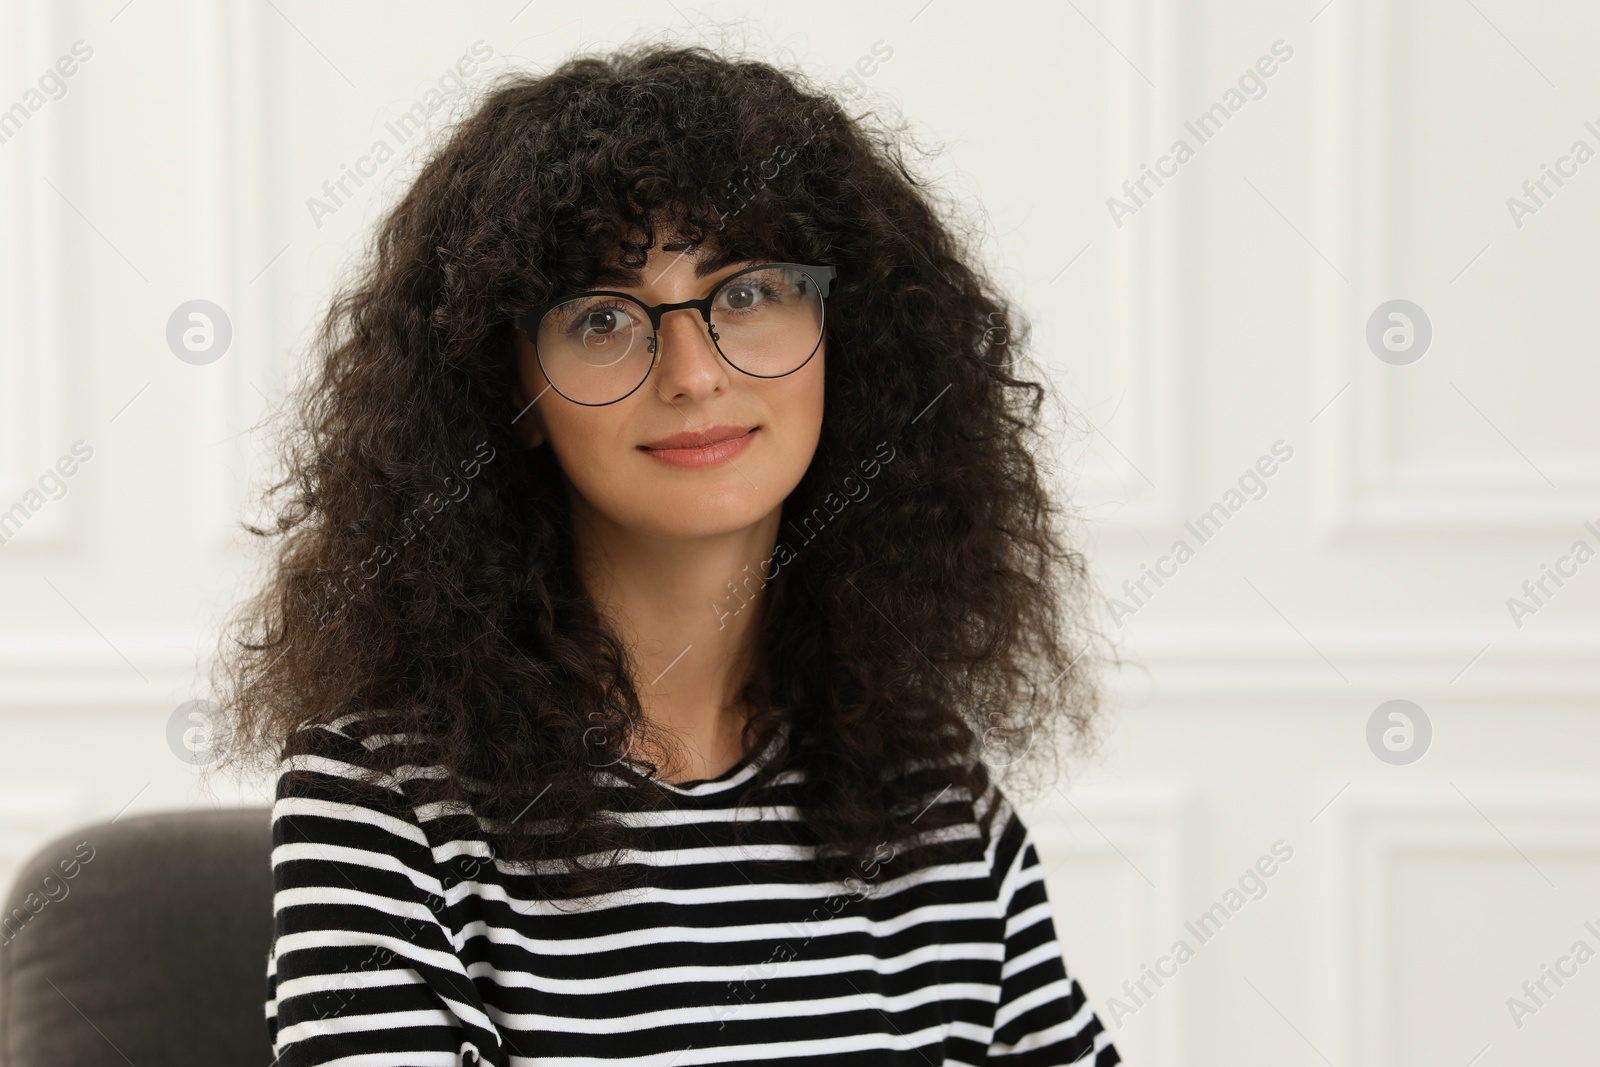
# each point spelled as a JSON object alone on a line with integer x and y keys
{"x": 696, "y": 439}
{"x": 709, "y": 446}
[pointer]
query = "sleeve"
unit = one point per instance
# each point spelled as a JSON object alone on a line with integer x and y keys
{"x": 1044, "y": 1018}
{"x": 362, "y": 968}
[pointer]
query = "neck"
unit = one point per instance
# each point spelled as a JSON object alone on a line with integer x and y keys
{"x": 690, "y": 638}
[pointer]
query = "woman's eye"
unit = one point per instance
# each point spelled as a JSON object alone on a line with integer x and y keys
{"x": 598, "y": 320}
{"x": 742, "y": 296}
{"x": 603, "y": 321}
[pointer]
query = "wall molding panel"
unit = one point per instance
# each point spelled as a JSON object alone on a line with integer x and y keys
{"x": 1366, "y": 492}
{"x": 39, "y": 413}
{"x": 1514, "y": 824}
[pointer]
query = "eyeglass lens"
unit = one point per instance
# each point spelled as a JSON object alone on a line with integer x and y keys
{"x": 596, "y": 349}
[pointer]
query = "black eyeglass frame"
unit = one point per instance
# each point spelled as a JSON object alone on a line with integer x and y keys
{"x": 821, "y": 276}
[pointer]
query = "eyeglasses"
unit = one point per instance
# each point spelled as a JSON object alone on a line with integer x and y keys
{"x": 598, "y": 347}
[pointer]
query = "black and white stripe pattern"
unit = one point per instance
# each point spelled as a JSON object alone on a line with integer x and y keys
{"x": 400, "y": 941}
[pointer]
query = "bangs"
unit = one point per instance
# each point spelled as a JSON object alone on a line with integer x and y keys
{"x": 674, "y": 228}
{"x": 675, "y": 165}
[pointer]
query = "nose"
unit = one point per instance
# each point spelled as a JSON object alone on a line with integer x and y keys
{"x": 688, "y": 365}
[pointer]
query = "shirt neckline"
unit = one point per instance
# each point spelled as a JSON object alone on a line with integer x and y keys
{"x": 739, "y": 773}
{"x": 694, "y": 783}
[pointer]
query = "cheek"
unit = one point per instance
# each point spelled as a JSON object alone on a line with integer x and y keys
{"x": 532, "y": 387}
{"x": 584, "y": 442}
{"x": 801, "y": 410}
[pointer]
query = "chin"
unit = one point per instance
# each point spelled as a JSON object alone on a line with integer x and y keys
{"x": 686, "y": 516}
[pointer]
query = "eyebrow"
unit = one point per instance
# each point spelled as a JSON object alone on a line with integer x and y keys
{"x": 703, "y": 266}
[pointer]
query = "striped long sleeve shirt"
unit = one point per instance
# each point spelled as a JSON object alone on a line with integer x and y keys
{"x": 401, "y": 940}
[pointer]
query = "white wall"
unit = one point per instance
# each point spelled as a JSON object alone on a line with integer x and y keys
{"x": 1225, "y": 313}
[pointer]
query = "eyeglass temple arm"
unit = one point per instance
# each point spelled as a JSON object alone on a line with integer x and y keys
{"x": 824, "y": 277}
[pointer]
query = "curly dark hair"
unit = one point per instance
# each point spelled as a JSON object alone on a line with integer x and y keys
{"x": 928, "y": 634}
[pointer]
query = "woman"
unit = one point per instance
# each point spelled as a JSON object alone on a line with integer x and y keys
{"x": 629, "y": 707}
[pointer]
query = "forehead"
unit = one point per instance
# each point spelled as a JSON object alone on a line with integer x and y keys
{"x": 706, "y": 260}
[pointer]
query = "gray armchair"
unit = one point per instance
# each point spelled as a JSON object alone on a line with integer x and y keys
{"x": 152, "y": 950}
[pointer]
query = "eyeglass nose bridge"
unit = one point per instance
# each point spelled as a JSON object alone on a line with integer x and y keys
{"x": 656, "y": 311}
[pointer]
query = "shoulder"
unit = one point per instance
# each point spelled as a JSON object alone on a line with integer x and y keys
{"x": 353, "y": 774}
{"x": 368, "y": 746}
{"x": 1009, "y": 843}
{"x": 975, "y": 809}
